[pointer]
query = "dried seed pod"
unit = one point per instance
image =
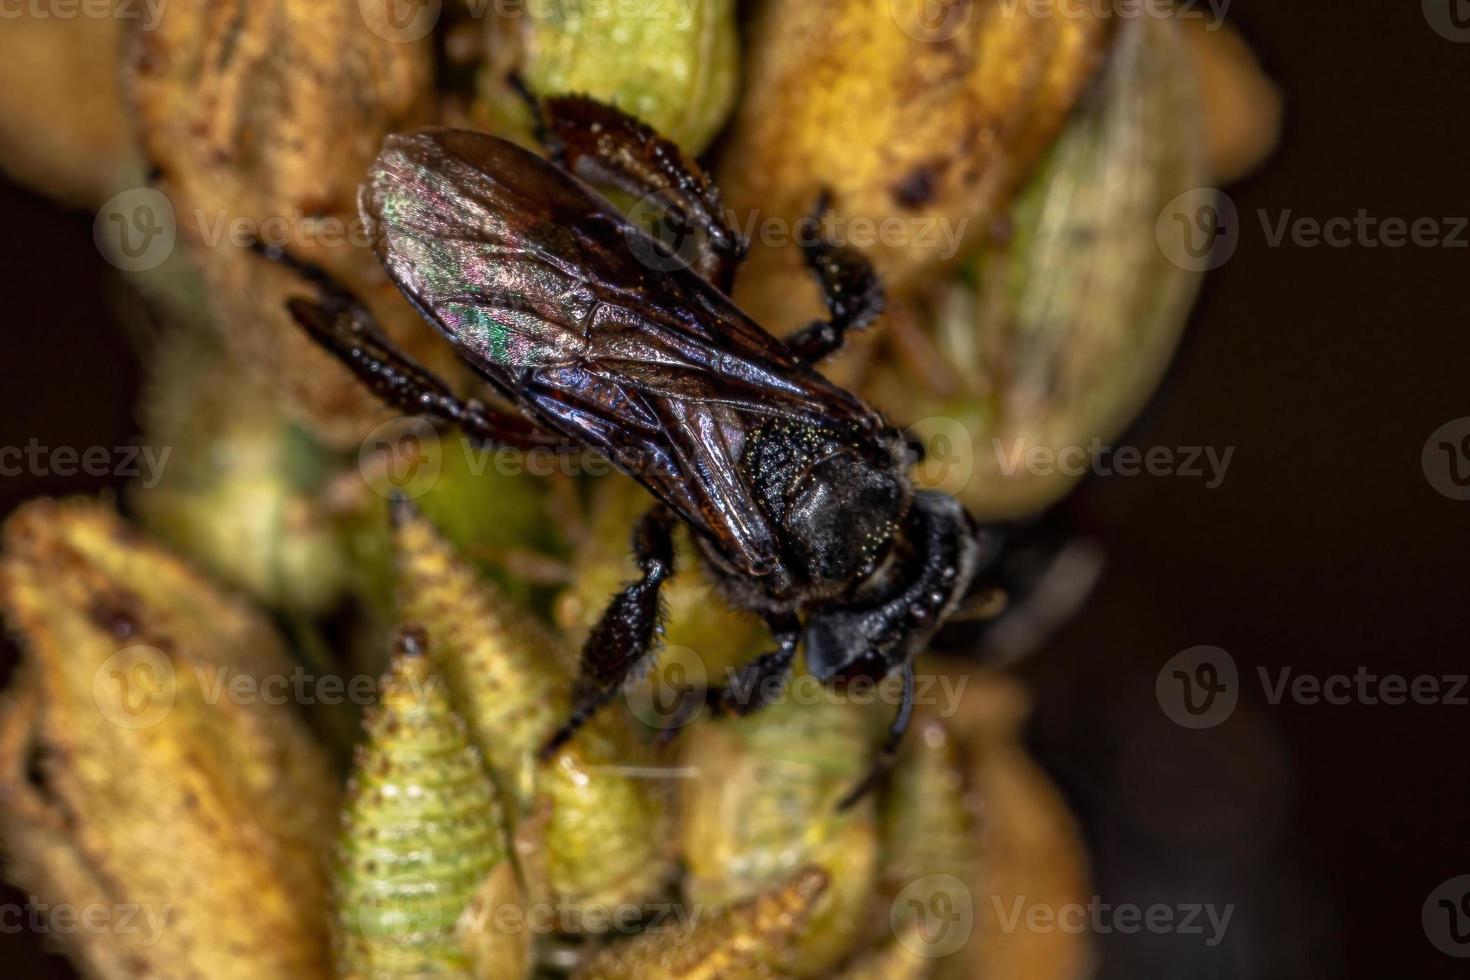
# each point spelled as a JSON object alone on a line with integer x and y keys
{"x": 930, "y": 843}
{"x": 1059, "y": 334}
{"x": 497, "y": 949}
{"x": 421, "y": 832}
{"x": 762, "y": 800}
{"x": 140, "y": 763}
{"x": 63, "y": 128}
{"x": 918, "y": 130}
{"x": 895, "y": 960}
{"x": 928, "y": 819}
{"x": 246, "y": 140}
{"x": 509, "y": 676}
{"x": 607, "y": 839}
{"x": 675, "y": 66}
{"x": 1242, "y": 106}
{"x": 235, "y": 485}
{"x": 751, "y": 939}
{"x": 495, "y": 514}
{"x": 1030, "y": 849}
{"x": 602, "y": 834}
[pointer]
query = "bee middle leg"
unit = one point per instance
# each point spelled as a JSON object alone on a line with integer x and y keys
{"x": 850, "y": 288}
{"x": 625, "y": 633}
{"x": 339, "y": 322}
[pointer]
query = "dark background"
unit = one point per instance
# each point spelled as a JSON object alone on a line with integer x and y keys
{"x": 1326, "y": 549}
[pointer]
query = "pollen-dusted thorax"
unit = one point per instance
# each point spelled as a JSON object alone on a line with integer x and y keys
{"x": 837, "y": 498}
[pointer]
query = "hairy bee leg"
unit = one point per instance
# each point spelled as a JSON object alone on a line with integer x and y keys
{"x": 888, "y": 754}
{"x": 606, "y": 146}
{"x": 625, "y": 633}
{"x": 850, "y": 288}
{"x": 339, "y": 322}
{"x": 759, "y": 682}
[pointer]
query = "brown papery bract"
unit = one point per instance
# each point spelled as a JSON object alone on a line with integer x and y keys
{"x": 261, "y": 118}
{"x": 924, "y": 126}
{"x": 130, "y": 776}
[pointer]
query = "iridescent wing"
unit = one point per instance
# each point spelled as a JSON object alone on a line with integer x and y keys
{"x": 592, "y": 329}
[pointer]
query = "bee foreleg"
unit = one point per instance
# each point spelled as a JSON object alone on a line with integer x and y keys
{"x": 850, "y": 288}
{"x": 761, "y": 681}
{"x": 889, "y": 752}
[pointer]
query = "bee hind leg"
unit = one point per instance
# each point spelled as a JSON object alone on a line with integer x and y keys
{"x": 605, "y": 146}
{"x": 626, "y": 632}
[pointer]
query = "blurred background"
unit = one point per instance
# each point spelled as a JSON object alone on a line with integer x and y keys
{"x": 1326, "y": 549}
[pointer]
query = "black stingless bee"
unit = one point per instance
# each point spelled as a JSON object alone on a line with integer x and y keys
{"x": 796, "y": 491}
